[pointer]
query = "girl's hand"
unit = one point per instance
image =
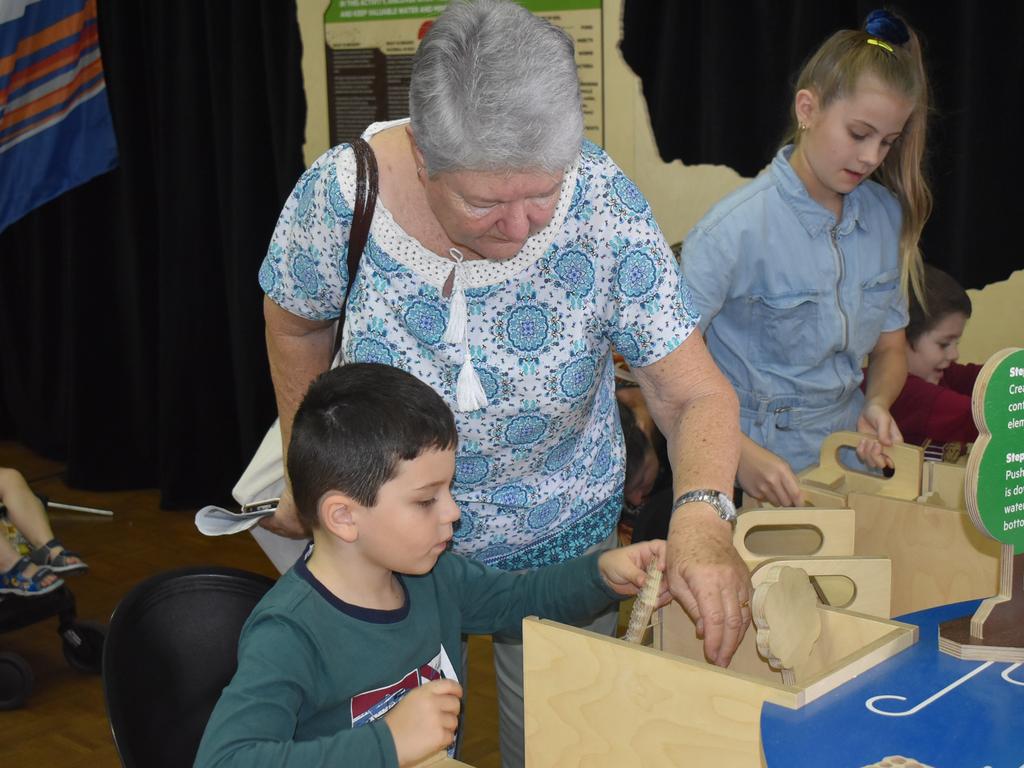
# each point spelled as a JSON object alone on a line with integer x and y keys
{"x": 767, "y": 477}
{"x": 877, "y": 423}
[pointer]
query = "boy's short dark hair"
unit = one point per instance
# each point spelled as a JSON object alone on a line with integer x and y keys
{"x": 354, "y": 425}
{"x": 943, "y": 295}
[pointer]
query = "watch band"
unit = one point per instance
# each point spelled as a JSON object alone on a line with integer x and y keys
{"x": 722, "y": 504}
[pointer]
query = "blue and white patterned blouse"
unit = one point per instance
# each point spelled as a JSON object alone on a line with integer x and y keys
{"x": 539, "y": 469}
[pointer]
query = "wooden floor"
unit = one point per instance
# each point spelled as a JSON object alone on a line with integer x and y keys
{"x": 64, "y": 722}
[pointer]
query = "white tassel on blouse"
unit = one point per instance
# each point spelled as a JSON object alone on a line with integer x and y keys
{"x": 469, "y": 393}
{"x": 458, "y": 314}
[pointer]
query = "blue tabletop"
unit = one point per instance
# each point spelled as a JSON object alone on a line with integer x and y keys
{"x": 967, "y": 714}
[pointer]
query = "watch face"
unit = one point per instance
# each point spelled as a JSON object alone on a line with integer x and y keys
{"x": 726, "y": 505}
{"x": 723, "y": 504}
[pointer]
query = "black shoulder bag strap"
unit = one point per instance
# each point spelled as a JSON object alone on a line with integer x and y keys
{"x": 362, "y": 217}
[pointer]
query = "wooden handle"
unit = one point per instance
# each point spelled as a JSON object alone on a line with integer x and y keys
{"x": 905, "y": 482}
{"x": 835, "y": 526}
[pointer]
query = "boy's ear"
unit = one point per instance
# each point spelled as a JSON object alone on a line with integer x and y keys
{"x": 337, "y": 515}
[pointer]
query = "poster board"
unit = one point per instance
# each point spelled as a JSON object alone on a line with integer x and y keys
{"x": 370, "y": 46}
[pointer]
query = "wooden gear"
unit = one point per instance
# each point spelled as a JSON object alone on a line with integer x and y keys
{"x": 644, "y": 605}
{"x": 785, "y": 612}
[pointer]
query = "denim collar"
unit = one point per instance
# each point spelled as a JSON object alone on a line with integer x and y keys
{"x": 810, "y": 213}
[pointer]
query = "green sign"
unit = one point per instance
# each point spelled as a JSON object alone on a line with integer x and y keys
{"x": 390, "y": 10}
{"x": 379, "y": 10}
{"x": 995, "y": 470}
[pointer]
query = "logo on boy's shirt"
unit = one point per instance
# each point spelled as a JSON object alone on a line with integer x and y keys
{"x": 372, "y": 705}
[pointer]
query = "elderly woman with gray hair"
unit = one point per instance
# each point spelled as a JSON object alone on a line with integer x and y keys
{"x": 506, "y": 258}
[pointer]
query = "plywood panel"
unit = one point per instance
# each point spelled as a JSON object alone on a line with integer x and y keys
{"x": 871, "y": 578}
{"x": 603, "y": 703}
{"x": 848, "y": 644}
{"x": 938, "y": 556}
{"x": 765, "y": 533}
{"x": 441, "y": 760}
{"x": 945, "y": 485}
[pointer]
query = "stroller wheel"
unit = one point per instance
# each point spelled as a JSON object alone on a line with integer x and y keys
{"x": 15, "y": 681}
{"x": 83, "y": 645}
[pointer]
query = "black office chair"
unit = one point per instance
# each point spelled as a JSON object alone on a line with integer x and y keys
{"x": 171, "y": 648}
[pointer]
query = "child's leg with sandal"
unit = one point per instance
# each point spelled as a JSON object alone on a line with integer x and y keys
{"x": 26, "y": 513}
{"x": 20, "y": 576}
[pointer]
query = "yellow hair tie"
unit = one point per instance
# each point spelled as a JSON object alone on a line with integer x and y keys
{"x": 881, "y": 44}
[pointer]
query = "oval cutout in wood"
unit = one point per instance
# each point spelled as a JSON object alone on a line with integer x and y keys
{"x": 783, "y": 540}
{"x": 846, "y": 458}
{"x": 839, "y": 591}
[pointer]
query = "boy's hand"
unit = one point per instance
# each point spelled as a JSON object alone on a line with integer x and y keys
{"x": 425, "y": 721}
{"x": 625, "y": 569}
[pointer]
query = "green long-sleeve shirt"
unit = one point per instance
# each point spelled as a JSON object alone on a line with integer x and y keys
{"x": 316, "y": 675}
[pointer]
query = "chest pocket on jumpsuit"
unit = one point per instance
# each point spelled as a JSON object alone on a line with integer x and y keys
{"x": 785, "y": 327}
{"x": 877, "y": 296}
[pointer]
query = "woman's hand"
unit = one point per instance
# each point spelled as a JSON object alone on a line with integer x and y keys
{"x": 285, "y": 520}
{"x": 696, "y": 409}
{"x": 767, "y": 477}
{"x": 709, "y": 579}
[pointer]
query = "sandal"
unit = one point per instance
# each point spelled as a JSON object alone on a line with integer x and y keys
{"x": 15, "y": 581}
{"x": 60, "y": 562}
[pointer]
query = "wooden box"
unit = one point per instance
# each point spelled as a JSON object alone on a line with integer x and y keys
{"x": 917, "y": 519}
{"x": 605, "y": 703}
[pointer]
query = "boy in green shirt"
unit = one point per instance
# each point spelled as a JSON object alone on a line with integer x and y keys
{"x": 348, "y": 660}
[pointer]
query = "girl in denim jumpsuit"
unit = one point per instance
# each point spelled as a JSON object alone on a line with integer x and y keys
{"x": 804, "y": 271}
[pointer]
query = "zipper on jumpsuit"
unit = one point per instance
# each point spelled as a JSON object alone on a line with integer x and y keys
{"x": 834, "y": 238}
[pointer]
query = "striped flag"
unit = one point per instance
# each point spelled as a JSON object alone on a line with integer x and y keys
{"x": 55, "y": 125}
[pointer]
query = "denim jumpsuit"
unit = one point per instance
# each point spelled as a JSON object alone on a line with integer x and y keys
{"x": 791, "y": 302}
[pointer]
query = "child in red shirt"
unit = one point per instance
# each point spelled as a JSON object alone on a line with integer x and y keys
{"x": 935, "y": 403}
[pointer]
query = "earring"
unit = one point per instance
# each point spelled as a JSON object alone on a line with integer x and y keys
{"x": 803, "y": 126}
{"x": 419, "y": 170}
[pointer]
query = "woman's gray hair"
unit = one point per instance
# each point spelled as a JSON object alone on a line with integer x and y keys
{"x": 495, "y": 88}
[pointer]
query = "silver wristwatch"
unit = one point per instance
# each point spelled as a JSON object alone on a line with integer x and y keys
{"x": 722, "y": 503}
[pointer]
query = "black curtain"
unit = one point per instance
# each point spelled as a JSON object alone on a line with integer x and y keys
{"x": 718, "y": 76}
{"x": 131, "y": 331}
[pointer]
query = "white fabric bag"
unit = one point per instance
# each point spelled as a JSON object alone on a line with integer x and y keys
{"x": 264, "y": 479}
